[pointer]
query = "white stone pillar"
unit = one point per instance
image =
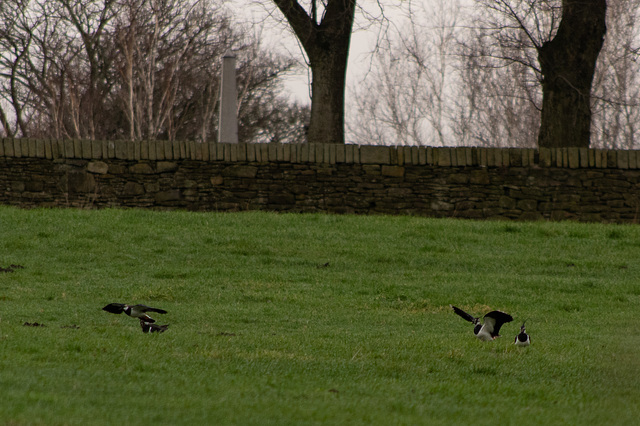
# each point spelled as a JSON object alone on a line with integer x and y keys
{"x": 228, "y": 125}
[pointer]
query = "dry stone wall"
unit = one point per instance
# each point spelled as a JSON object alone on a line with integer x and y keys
{"x": 478, "y": 183}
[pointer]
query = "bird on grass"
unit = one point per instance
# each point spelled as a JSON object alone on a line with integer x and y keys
{"x": 523, "y": 338}
{"x": 490, "y": 328}
{"x": 148, "y": 327}
{"x": 135, "y": 311}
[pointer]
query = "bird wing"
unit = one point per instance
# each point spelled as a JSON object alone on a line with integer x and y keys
{"x": 145, "y": 308}
{"x": 494, "y": 320}
{"x": 463, "y": 314}
{"x": 114, "y": 308}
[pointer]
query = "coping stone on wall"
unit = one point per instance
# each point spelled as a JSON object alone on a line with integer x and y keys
{"x": 612, "y": 159}
{"x": 623, "y": 160}
{"x": 350, "y": 153}
{"x": 38, "y": 145}
{"x": 67, "y": 148}
{"x": 17, "y": 148}
{"x": 371, "y": 154}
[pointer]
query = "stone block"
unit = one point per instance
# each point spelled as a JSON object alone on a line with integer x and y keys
{"x": 40, "y": 151}
{"x": 251, "y": 152}
{"x": 319, "y": 153}
{"x": 78, "y": 181}
{"x": 331, "y": 154}
{"x": 633, "y": 159}
{"x": 480, "y": 177}
{"x": 242, "y": 152}
{"x": 141, "y": 168}
{"x": 425, "y": 156}
{"x": 55, "y": 149}
{"x": 132, "y": 189}
{"x": 48, "y": 152}
{"x": 96, "y": 150}
{"x": 158, "y": 146}
{"x": 87, "y": 152}
{"x": 340, "y": 153}
{"x": 375, "y": 154}
{"x": 171, "y": 195}
{"x": 312, "y": 153}
{"x": 167, "y": 150}
{"x": 240, "y": 171}
{"x": 483, "y": 157}
{"x": 545, "y": 157}
{"x": 527, "y": 205}
{"x": 233, "y": 152}
{"x": 573, "y": 155}
{"x": 392, "y": 171}
{"x": 77, "y": 148}
{"x": 461, "y": 155}
{"x": 442, "y": 157}
{"x": 121, "y": 150}
{"x": 515, "y": 157}
{"x": 506, "y": 157}
{"x": 440, "y": 205}
{"x": 623, "y": 159}
{"x": 272, "y": 152}
{"x": 304, "y": 153}
{"x": 584, "y": 157}
{"x": 264, "y": 153}
{"x": 458, "y": 178}
{"x": 69, "y": 151}
{"x": 350, "y": 152}
{"x": 97, "y": 167}
{"x": 166, "y": 166}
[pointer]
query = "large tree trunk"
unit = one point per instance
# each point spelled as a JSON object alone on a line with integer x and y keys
{"x": 327, "y": 47}
{"x": 568, "y": 62}
{"x": 328, "y": 73}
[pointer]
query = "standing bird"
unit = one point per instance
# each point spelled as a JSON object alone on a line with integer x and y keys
{"x": 153, "y": 328}
{"x": 523, "y": 338}
{"x": 136, "y": 311}
{"x": 492, "y": 323}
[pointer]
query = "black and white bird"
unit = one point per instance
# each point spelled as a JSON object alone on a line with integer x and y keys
{"x": 136, "y": 311}
{"x": 148, "y": 327}
{"x": 490, "y": 328}
{"x": 523, "y": 338}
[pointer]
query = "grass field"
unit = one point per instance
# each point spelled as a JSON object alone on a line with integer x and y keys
{"x": 314, "y": 319}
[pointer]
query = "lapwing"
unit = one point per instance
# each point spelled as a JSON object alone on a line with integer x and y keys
{"x": 523, "y": 338}
{"x": 490, "y": 329}
{"x": 148, "y": 327}
{"x": 136, "y": 311}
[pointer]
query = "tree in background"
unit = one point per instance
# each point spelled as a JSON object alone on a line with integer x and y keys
{"x": 406, "y": 98}
{"x": 493, "y": 95}
{"x": 324, "y": 31}
{"x": 134, "y": 69}
{"x": 567, "y": 64}
{"x": 616, "y": 95}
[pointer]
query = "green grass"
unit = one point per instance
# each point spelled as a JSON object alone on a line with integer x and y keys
{"x": 261, "y": 333}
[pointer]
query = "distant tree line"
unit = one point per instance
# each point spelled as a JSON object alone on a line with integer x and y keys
{"x": 448, "y": 72}
{"x": 489, "y": 72}
{"x": 135, "y": 69}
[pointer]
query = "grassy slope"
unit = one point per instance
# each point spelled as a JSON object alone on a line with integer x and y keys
{"x": 260, "y": 334}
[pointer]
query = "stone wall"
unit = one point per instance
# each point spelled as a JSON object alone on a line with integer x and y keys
{"x": 480, "y": 183}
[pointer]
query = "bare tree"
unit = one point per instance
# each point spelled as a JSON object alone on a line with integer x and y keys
{"x": 324, "y": 31}
{"x": 138, "y": 69}
{"x": 616, "y": 100}
{"x": 407, "y": 98}
{"x": 567, "y": 64}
